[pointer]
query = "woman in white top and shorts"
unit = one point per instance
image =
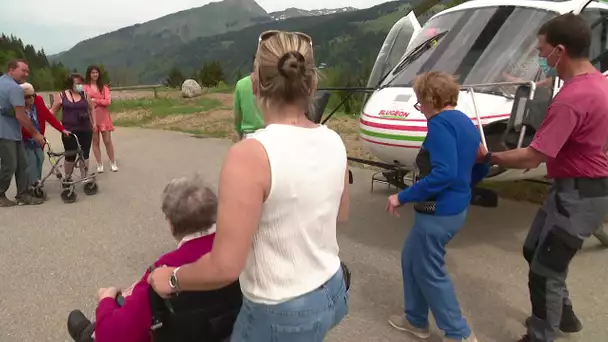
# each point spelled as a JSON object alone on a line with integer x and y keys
{"x": 281, "y": 194}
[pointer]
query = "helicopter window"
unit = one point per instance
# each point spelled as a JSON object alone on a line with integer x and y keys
{"x": 483, "y": 44}
{"x": 598, "y": 20}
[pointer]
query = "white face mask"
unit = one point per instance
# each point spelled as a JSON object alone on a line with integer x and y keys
{"x": 78, "y": 88}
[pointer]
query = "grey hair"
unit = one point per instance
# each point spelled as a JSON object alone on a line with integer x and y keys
{"x": 27, "y": 86}
{"x": 189, "y": 205}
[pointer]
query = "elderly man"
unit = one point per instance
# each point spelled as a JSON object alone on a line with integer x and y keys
{"x": 36, "y": 110}
{"x": 12, "y": 152}
{"x": 571, "y": 141}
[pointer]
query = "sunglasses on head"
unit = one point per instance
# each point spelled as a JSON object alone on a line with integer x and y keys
{"x": 418, "y": 107}
{"x": 30, "y": 96}
{"x": 267, "y": 34}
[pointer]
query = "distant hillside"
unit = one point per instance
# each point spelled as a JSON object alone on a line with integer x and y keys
{"x": 348, "y": 40}
{"x": 296, "y": 12}
{"x": 133, "y": 46}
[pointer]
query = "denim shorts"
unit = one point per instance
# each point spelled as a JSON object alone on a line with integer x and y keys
{"x": 307, "y": 318}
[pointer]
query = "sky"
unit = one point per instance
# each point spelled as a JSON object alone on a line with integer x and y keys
{"x": 57, "y": 25}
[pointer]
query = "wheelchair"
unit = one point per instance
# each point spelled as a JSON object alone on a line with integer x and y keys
{"x": 205, "y": 316}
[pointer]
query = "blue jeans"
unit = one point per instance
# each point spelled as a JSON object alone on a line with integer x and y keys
{"x": 307, "y": 318}
{"x": 35, "y": 158}
{"x": 426, "y": 283}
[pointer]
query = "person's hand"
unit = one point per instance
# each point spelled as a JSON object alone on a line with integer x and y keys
{"x": 66, "y": 132}
{"x": 236, "y": 137}
{"x": 392, "y": 205}
{"x": 39, "y": 138}
{"x": 110, "y": 292}
{"x": 94, "y": 100}
{"x": 94, "y": 127}
{"x": 159, "y": 280}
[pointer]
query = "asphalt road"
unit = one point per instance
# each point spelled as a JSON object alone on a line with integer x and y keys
{"x": 54, "y": 257}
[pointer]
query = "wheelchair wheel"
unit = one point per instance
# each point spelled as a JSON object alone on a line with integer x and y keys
{"x": 68, "y": 195}
{"x": 90, "y": 188}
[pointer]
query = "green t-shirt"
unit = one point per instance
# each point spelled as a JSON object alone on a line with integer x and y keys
{"x": 247, "y": 116}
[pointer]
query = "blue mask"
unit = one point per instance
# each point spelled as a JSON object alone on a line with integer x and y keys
{"x": 78, "y": 88}
{"x": 546, "y": 68}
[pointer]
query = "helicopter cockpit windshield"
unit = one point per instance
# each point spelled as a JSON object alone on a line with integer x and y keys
{"x": 478, "y": 45}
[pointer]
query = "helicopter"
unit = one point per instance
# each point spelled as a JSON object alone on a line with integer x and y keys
{"x": 491, "y": 47}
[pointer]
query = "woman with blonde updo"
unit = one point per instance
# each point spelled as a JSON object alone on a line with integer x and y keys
{"x": 281, "y": 194}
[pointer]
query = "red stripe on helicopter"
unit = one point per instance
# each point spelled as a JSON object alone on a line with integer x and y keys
{"x": 424, "y": 120}
{"x": 413, "y": 128}
{"x": 388, "y": 144}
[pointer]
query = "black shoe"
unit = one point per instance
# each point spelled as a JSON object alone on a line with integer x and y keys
{"x": 27, "y": 199}
{"x": 5, "y": 202}
{"x": 80, "y": 327}
{"x": 569, "y": 324}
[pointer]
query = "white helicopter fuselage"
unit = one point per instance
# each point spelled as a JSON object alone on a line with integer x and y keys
{"x": 392, "y": 130}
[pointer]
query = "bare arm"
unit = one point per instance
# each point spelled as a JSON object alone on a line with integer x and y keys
{"x": 344, "y": 211}
{"x": 92, "y": 113}
{"x": 521, "y": 158}
{"x": 56, "y": 104}
{"x": 244, "y": 185}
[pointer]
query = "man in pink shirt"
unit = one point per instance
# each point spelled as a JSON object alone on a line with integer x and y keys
{"x": 572, "y": 142}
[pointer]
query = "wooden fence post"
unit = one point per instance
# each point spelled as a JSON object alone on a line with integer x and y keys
{"x": 51, "y": 99}
{"x": 155, "y": 94}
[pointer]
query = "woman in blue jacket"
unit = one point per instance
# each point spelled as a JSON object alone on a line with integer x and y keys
{"x": 447, "y": 172}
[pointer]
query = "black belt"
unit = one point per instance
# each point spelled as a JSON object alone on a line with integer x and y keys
{"x": 586, "y": 187}
{"x": 425, "y": 207}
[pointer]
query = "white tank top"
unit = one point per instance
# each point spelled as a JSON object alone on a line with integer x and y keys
{"x": 295, "y": 249}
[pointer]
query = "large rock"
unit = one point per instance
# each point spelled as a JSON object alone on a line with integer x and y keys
{"x": 191, "y": 88}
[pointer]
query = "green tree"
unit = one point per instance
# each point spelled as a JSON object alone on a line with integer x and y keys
{"x": 175, "y": 78}
{"x": 211, "y": 74}
{"x": 105, "y": 76}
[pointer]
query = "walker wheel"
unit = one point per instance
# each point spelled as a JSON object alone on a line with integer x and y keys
{"x": 68, "y": 195}
{"x": 38, "y": 192}
{"x": 59, "y": 175}
{"x": 90, "y": 188}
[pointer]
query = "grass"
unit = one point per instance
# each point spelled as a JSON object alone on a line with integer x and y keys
{"x": 210, "y": 116}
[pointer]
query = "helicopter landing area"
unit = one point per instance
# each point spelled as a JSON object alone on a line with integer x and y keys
{"x": 55, "y": 256}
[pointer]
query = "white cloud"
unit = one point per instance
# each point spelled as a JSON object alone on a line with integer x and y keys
{"x": 58, "y": 25}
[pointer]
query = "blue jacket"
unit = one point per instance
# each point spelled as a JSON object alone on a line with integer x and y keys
{"x": 452, "y": 143}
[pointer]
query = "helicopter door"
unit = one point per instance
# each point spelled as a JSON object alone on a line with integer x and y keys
{"x": 395, "y": 44}
{"x": 597, "y": 17}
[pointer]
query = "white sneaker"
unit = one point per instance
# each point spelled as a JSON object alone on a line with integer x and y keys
{"x": 99, "y": 168}
{"x": 114, "y": 167}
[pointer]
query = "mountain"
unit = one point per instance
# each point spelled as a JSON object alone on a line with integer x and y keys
{"x": 130, "y": 46}
{"x": 347, "y": 40}
{"x": 227, "y": 31}
{"x": 296, "y": 12}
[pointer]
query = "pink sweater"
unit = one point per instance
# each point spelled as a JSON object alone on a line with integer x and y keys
{"x": 132, "y": 321}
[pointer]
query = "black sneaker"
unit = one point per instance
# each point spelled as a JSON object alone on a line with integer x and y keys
{"x": 80, "y": 327}
{"x": 5, "y": 202}
{"x": 569, "y": 323}
{"x": 27, "y": 199}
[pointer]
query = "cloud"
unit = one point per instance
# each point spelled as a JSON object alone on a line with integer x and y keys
{"x": 60, "y": 24}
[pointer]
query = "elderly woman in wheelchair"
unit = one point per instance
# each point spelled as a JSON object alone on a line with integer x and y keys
{"x": 139, "y": 314}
